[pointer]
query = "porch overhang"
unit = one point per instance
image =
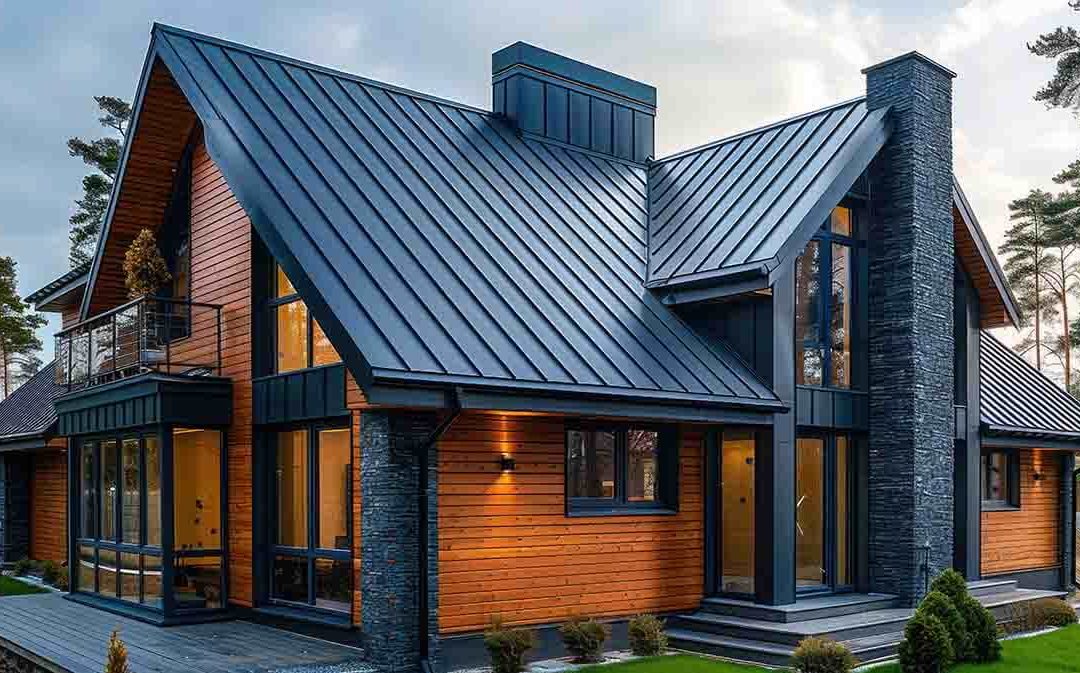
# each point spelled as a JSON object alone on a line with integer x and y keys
{"x": 146, "y": 399}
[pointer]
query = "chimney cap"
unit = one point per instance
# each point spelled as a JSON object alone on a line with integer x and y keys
{"x": 911, "y": 55}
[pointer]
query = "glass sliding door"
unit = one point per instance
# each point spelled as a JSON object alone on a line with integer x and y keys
{"x": 823, "y": 513}
{"x": 737, "y": 521}
{"x": 197, "y": 575}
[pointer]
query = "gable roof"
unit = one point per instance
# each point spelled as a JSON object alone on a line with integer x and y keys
{"x": 438, "y": 247}
{"x": 741, "y": 206}
{"x": 69, "y": 283}
{"x": 1017, "y": 399}
{"x": 28, "y": 414}
{"x": 997, "y": 306}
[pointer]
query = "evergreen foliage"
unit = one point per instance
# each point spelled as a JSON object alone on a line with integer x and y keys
{"x": 584, "y": 639}
{"x": 116, "y": 660}
{"x": 508, "y": 646}
{"x": 952, "y": 584}
{"x": 646, "y": 635}
{"x": 926, "y": 647}
{"x": 941, "y": 606}
{"x": 982, "y": 630}
{"x": 145, "y": 270}
{"x": 19, "y": 344}
{"x": 821, "y": 655}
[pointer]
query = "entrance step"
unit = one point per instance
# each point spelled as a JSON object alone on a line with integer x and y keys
{"x": 820, "y": 607}
{"x": 844, "y": 627}
{"x": 988, "y": 587}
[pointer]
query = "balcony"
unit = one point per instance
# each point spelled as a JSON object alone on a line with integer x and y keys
{"x": 150, "y": 362}
{"x": 152, "y": 334}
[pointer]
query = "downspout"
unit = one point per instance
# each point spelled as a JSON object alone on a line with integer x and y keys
{"x": 422, "y": 527}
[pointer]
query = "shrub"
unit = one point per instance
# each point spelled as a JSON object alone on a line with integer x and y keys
{"x": 50, "y": 572}
{"x": 938, "y": 604}
{"x": 926, "y": 647}
{"x": 62, "y": 579}
{"x": 116, "y": 658}
{"x": 647, "y": 637}
{"x": 23, "y": 566}
{"x": 507, "y": 646}
{"x": 584, "y": 638}
{"x": 952, "y": 584}
{"x": 982, "y": 629}
{"x": 821, "y": 655}
{"x": 1040, "y": 614}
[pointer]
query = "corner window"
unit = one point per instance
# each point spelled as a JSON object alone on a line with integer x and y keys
{"x": 613, "y": 468}
{"x": 1000, "y": 478}
{"x": 299, "y": 341}
{"x": 824, "y": 275}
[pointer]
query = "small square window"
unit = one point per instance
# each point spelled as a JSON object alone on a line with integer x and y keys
{"x": 1000, "y": 480}
{"x": 617, "y": 469}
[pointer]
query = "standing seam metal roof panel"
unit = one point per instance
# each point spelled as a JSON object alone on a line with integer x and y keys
{"x": 439, "y": 243}
{"x": 28, "y": 411}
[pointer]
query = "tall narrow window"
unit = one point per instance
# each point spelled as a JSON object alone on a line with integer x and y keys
{"x": 153, "y": 491}
{"x": 300, "y": 341}
{"x": 292, "y": 489}
{"x": 737, "y": 512}
{"x": 109, "y": 466}
{"x": 87, "y": 491}
{"x": 1000, "y": 480}
{"x": 132, "y": 491}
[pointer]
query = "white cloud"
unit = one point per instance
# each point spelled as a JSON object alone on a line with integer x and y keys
{"x": 979, "y": 20}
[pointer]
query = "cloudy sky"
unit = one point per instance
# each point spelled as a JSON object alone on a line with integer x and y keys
{"x": 720, "y": 66}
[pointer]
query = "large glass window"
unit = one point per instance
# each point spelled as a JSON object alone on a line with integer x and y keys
{"x": 824, "y": 275}
{"x": 1000, "y": 477}
{"x": 311, "y": 553}
{"x": 823, "y": 512}
{"x": 737, "y": 457}
{"x": 197, "y": 519}
{"x": 620, "y": 467}
{"x": 299, "y": 341}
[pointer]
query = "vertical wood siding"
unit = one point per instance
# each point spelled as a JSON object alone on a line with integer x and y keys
{"x": 1030, "y": 538}
{"x": 507, "y": 548}
{"x": 48, "y": 503}
{"x": 221, "y": 274}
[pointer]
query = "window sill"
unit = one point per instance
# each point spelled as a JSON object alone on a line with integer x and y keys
{"x": 336, "y": 621}
{"x": 995, "y": 507}
{"x": 621, "y": 511}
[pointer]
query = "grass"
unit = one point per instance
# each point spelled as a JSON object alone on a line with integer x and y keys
{"x": 1039, "y": 654}
{"x": 9, "y": 586}
{"x": 1054, "y": 652}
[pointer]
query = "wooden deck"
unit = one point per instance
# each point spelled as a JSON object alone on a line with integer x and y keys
{"x": 66, "y": 637}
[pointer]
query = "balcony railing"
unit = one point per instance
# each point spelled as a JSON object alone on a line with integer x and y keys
{"x": 152, "y": 334}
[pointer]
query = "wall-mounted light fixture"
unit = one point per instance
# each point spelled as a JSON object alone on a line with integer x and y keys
{"x": 1037, "y": 476}
{"x": 507, "y": 464}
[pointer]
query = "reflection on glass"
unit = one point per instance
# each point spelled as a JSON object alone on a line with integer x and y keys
{"x": 86, "y": 574}
{"x": 131, "y": 490}
{"x": 152, "y": 581}
{"x": 109, "y": 450}
{"x": 153, "y": 491}
{"x": 291, "y": 480}
{"x": 591, "y": 463}
{"x": 333, "y": 589}
{"x": 809, "y": 359}
{"x": 995, "y": 477}
{"x": 197, "y": 582}
{"x": 283, "y": 287}
{"x": 322, "y": 351}
{"x": 129, "y": 577}
{"x": 197, "y": 489}
{"x": 840, "y": 317}
{"x": 810, "y": 511}
{"x": 87, "y": 491}
{"x": 843, "y": 513}
{"x": 334, "y": 464}
{"x": 292, "y": 336}
{"x": 737, "y": 511}
{"x": 107, "y": 573}
{"x": 840, "y": 221}
{"x": 643, "y": 465}
{"x": 289, "y": 579}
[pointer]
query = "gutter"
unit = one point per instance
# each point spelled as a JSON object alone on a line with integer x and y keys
{"x": 423, "y": 482}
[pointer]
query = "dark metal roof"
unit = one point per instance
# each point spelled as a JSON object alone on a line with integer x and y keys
{"x": 986, "y": 253}
{"x": 1017, "y": 399}
{"x": 743, "y": 205}
{"x": 28, "y": 412}
{"x": 438, "y": 247}
{"x": 73, "y": 279}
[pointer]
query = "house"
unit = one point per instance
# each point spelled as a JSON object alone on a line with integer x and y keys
{"x": 421, "y": 364}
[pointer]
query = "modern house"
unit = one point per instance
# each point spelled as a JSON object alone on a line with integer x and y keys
{"x": 422, "y": 364}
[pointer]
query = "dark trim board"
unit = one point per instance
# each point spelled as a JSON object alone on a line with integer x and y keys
{"x": 1027, "y": 442}
{"x": 1045, "y": 579}
{"x": 302, "y": 395}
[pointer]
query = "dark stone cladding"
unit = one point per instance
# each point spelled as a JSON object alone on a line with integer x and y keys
{"x": 389, "y": 476}
{"x": 911, "y": 328}
{"x": 14, "y": 507}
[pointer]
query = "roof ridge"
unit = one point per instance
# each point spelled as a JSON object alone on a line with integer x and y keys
{"x": 759, "y": 129}
{"x": 315, "y": 67}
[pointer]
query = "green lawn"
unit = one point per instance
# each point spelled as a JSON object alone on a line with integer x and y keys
{"x": 9, "y": 586}
{"x": 679, "y": 663}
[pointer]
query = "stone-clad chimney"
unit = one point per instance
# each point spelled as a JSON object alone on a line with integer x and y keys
{"x": 911, "y": 335}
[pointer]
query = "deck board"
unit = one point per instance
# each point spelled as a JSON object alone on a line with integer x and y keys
{"x": 72, "y": 638}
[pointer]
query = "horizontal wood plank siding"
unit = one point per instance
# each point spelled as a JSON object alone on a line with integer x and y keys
{"x": 1029, "y": 538}
{"x": 354, "y": 400}
{"x": 507, "y": 548}
{"x": 48, "y": 503}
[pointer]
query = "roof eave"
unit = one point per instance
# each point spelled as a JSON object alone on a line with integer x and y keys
{"x": 967, "y": 214}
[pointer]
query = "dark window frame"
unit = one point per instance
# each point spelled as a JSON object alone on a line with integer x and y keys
{"x": 176, "y": 244}
{"x": 1011, "y": 503}
{"x": 831, "y": 493}
{"x": 312, "y": 552}
{"x": 274, "y": 302}
{"x": 667, "y": 501}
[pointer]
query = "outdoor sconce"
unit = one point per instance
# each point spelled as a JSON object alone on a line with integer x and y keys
{"x": 507, "y": 464}
{"x": 1037, "y": 476}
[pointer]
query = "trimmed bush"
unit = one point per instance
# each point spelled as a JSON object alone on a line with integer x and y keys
{"x": 1040, "y": 614}
{"x": 821, "y": 655}
{"x": 22, "y": 567}
{"x": 952, "y": 584}
{"x": 508, "y": 646}
{"x": 647, "y": 637}
{"x": 926, "y": 647}
{"x": 982, "y": 629}
{"x": 584, "y": 639}
{"x": 938, "y": 604}
{"x": 50, "y": 572}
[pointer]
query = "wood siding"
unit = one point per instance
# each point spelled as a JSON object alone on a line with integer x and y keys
{"x": 506, "y": 546}
{"x": 354, "y": 399}
{"x": 48, "y": 503}
{"x": 1029, "y": 538}
{"x": 992, "y": 309}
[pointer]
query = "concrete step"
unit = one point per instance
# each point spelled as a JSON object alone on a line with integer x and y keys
{"x": 740, "y": 649}
{"x": 845, "y": 627}
{"x": 821, "y": 607}
{"x": 988, "y": 587}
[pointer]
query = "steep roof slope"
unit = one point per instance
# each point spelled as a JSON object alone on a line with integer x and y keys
{"x": 28, "y": 411}
{"x": 1015, "y": 398}
{"x": 437, "y": 246}
{"x": 747, "y": 203}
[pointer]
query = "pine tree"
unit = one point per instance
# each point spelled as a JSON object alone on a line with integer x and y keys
{"x": 1027, "y": 262}
{"x": 145, "y": 270}
{"x": 1063, "y": 47}
{"x": 19, "y": 344}
{"x": 116, "y": 659}
{"x": 1063, "y": 234}
{"x": 102, "y": 154}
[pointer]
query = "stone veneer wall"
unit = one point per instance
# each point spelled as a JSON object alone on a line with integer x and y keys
{"x": 389, "y": 581}
{"x": 911, "y": 327}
